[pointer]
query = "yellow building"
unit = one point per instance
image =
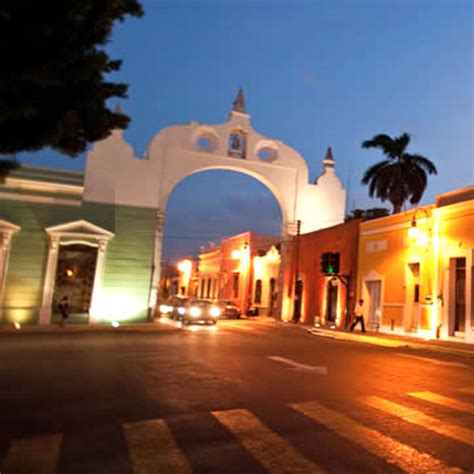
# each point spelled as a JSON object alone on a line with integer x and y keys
{"x": 243, "y": 268}
{"x": 415, "y": 269}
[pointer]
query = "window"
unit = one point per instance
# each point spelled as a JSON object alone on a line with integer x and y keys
{"x": 235, "y": 285}
{"x": 208, "y": 291}
{"x": 258, "y": 292}
{"x": 267, "y": 154}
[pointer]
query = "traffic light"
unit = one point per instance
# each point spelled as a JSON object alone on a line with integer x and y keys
{"x": 330, "y": 263}
{"x": 325, "y": 262}
{"x": 334, "y": 263}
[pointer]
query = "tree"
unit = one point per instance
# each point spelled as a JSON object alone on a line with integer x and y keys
{"x": 401, "y": 176}
{"x": 367, "y": 214}
{"x": 52, "y": 88}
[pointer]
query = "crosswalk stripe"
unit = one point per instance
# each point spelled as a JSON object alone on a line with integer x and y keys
{"x": 37, "y": 455}
{"x": 416, "y": 417}
{"x": 467, "y": 390}
{"x": 270, "y": 449}
{"x": 152, "y": 448}
{"x": 444, "y": 401}
{"x": 390, "y": 450}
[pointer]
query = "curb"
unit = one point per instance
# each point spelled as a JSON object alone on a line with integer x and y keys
{"x": 388, "y": 342}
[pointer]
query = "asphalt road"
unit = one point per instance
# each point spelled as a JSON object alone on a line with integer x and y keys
{"x": 247, "y": 397}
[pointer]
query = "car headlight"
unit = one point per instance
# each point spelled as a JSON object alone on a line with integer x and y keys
{"x": 215, "y": 312}
{"x": 195, "y": 312}
{"x": 181, "y": 310}
{"x": 164, "y": 308}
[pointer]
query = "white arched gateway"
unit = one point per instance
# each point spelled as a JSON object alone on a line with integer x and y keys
{"x": 114, "y": 175}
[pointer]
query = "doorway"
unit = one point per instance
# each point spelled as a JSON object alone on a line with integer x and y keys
{"x": 75, "y": 275}
{"x": 374, "y": 290}
{"x": 298, "y": 303}
{"x": 331, "y": 305}
{"x": 460, "y": 295}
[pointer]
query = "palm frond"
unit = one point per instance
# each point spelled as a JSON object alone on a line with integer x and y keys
{"x": 401, "y": 143}
{"x": 378, "y": 141}
{"x": 374, "y": 170}
{"x": 422, "y": 162}
{"x": 418, "y": 182}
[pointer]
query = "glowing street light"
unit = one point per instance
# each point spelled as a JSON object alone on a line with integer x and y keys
{"x": 414, "y": 232}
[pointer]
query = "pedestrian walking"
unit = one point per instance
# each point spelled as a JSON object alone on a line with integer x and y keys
{"x": 358, "y": 316}
{"x": 63, "y": 307}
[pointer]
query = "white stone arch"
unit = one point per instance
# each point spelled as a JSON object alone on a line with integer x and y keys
{"x": 115, "y": 175}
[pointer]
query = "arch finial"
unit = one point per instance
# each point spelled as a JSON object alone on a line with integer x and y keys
{"x": 239, "y": 103}
{"x": 328, "y": 161}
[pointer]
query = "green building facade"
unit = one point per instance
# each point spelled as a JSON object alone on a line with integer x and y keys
{"x": 54, "y": 243}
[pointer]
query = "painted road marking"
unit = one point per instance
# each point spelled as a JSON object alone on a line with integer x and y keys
{"x": 152, "y": 448}
{"x": 38, "y": 455}
{"x": 436, "y": 361}
{"x": 299, "y": 366}
{"x": 445, "y": 401}
{"x": 270, "y": 449}
{"x": 416, "y": 417}
{"x": 390, "y": 450}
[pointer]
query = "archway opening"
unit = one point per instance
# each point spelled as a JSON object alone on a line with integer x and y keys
{"x": 228, "y": 225}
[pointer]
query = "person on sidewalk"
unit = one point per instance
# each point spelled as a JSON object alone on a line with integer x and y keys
{"x": 63, "y": 307}
{"x": 359, "y": 316}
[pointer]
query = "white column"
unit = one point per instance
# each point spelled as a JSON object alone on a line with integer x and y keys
{"x": 156, "y": 263}
{"x": 48, "y": 289}
{"x": 97, "y": 290}
{"x": 5, "y": 239}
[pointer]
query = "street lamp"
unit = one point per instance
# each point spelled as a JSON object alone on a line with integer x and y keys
{"x": 414, "y": 232}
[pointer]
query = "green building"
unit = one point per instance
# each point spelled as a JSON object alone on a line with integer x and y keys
{"x": 55, "y": 243}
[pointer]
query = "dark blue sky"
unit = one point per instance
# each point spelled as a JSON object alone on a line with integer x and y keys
{"x": 315, "y": 73}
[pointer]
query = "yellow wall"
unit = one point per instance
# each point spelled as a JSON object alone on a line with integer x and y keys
{"x": 386, "y": 250}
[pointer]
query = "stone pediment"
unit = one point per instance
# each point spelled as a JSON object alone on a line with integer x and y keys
{"x": 8, "y": 226}
{"x": 80, "y": 228}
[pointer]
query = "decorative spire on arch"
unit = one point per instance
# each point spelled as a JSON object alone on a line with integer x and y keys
{"x": 239, "y": 103}
{"x": 328, "y": 161}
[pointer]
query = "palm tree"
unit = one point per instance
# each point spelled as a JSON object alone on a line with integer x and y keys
{"x": 401, "y": 176}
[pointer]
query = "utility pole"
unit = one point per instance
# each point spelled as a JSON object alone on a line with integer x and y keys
{"x": 297, "y": 286}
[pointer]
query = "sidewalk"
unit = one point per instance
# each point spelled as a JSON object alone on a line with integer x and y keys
{"x": 393, "y": 340}
{"x": 156, "y": 326}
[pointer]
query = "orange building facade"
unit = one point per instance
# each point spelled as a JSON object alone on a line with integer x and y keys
{"x": 242, "y": 269}
{"x": 415, "y": 269}
{"x": 325, "y": 300}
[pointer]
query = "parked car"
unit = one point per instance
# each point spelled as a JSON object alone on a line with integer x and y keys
{"x": 200, "y": 311}
{"x": 229, "y": 309}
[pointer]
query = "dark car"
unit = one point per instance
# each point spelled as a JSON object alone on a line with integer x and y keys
{"x": 200, "y": 311}
{"x": 229, "y": 309}
{"x": 174, "y": 307}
